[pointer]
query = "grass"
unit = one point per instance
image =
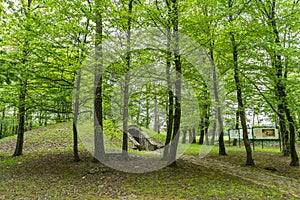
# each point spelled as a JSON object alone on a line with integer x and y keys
{"x": 152, "y": 134}
{"x": 47, "y": 171}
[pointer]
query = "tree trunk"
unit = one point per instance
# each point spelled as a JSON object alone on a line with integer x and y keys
{"x": 184, "y": 136}
{"x": 177, "y": 61}
{"x": 206, "y": 124}
{"x": 170, "y": 115}
{"x": 75, "y": 143}
{"x": 202, "y": 130}
{"x": 280, "y": 86}
{"x": 21, "y": 123}
{"x": 156, "y": 116}
{"x": 294, "y": 156}
{"x": 194, "y": 136}
{"x": 206, "y": 136}
{"x": 237, "y": 118}
{"x": 2, "y": 128}
{"x": 147, "y": 106}
{"x": 75, "y": 118}
{"x": 191, "y": 138}
{"x": 170, "y": 106}
{"x": 98, "y": 79}
{"x": 30, "y": 124}
{"x": 281, "y": 95}
{"x": 126, "y": 85}
{"x": 214, "y": 129}
{"x": 125, "y": 115}
{"x": 222, "y": 150}
{"x": 22, "y": 98}
{"x": 241, "y": 109}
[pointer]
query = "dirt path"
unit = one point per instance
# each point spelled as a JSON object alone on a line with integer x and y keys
{"x": 255, "y": 175}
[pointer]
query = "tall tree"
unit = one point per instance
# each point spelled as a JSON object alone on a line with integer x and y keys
{"x": 204, "y": 26}
{"x": 222, "y": 150}
{"x": 98, "y": 80}
{"x": 177, "y": 62}
{"x": 126, "y": 81}
{"x": 237, "y": 78}
{"x": 170, "y": 104}
{"x": 271, "y": 12}
{"x": 23, "y": 81}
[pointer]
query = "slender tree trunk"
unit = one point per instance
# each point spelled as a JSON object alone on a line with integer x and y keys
{"x": 30, "y": 124}
{"x": 170, "y": 106}
{"x": 194, "y": 136}
{"x": 147, "y": 106}
{"x": 98, "y": 124}
{"x": 125, "y": 115}
{"x": 76, "y": 112}
{"x": 222, "y": 150}
{"x": 138, "y": 115}
{"x": 190, "y": 137}
{"x": 184, "y": 136}
{"x": 75, "y": 142}
{"x": 206, "y": 123}
{"x": 156, "y": 116}
{"x": 283, "y": 130}
{"x": 13, "y": 122}
{"x": 237, "y": 118}
{"x": 241, "y": 108}
{"x": 170, "y": 119}
{"x": 280, "y": 86}
{"x": 201, "y": 126}
{"x": 126, "y": 85}
{"x": 22, "y": 96}
{"x": 2, "y": 128}
{"x": 177, "y": 61}
{"x": 98, "y": 80}
{"x": 294, "y": 156}
{"x": 21, "y": 123}
{"x": 206, "y": 137}
{"x": 214, "y": 129}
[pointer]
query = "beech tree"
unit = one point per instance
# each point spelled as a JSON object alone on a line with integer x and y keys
{"x": 279, "y": 46}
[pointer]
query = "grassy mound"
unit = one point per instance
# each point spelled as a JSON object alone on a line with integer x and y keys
{"x": 47, "y": 171}
{"x": 156, "y": 136}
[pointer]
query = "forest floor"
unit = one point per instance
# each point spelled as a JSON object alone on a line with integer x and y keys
{"x": 47, "y": 171}
{"x": 261, "y": 176}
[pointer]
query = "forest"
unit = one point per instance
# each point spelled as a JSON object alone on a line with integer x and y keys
{"x": 165, "y": 75}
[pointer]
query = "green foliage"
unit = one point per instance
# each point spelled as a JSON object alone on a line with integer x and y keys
{"x": 112, "y": 131}
{"x": 42, "y": 46}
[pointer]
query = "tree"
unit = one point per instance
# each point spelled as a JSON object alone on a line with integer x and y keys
{"x": 237, "y": 78}
{"x": 205, "y": 28}
{"x": 177, "y": 62}
{"x": 24, "y": 51}
{"x": 98, "y": 80}
{"x": 280, "y": 62}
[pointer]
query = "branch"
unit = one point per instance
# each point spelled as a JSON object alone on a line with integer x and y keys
{"x": 260, "y": 92}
